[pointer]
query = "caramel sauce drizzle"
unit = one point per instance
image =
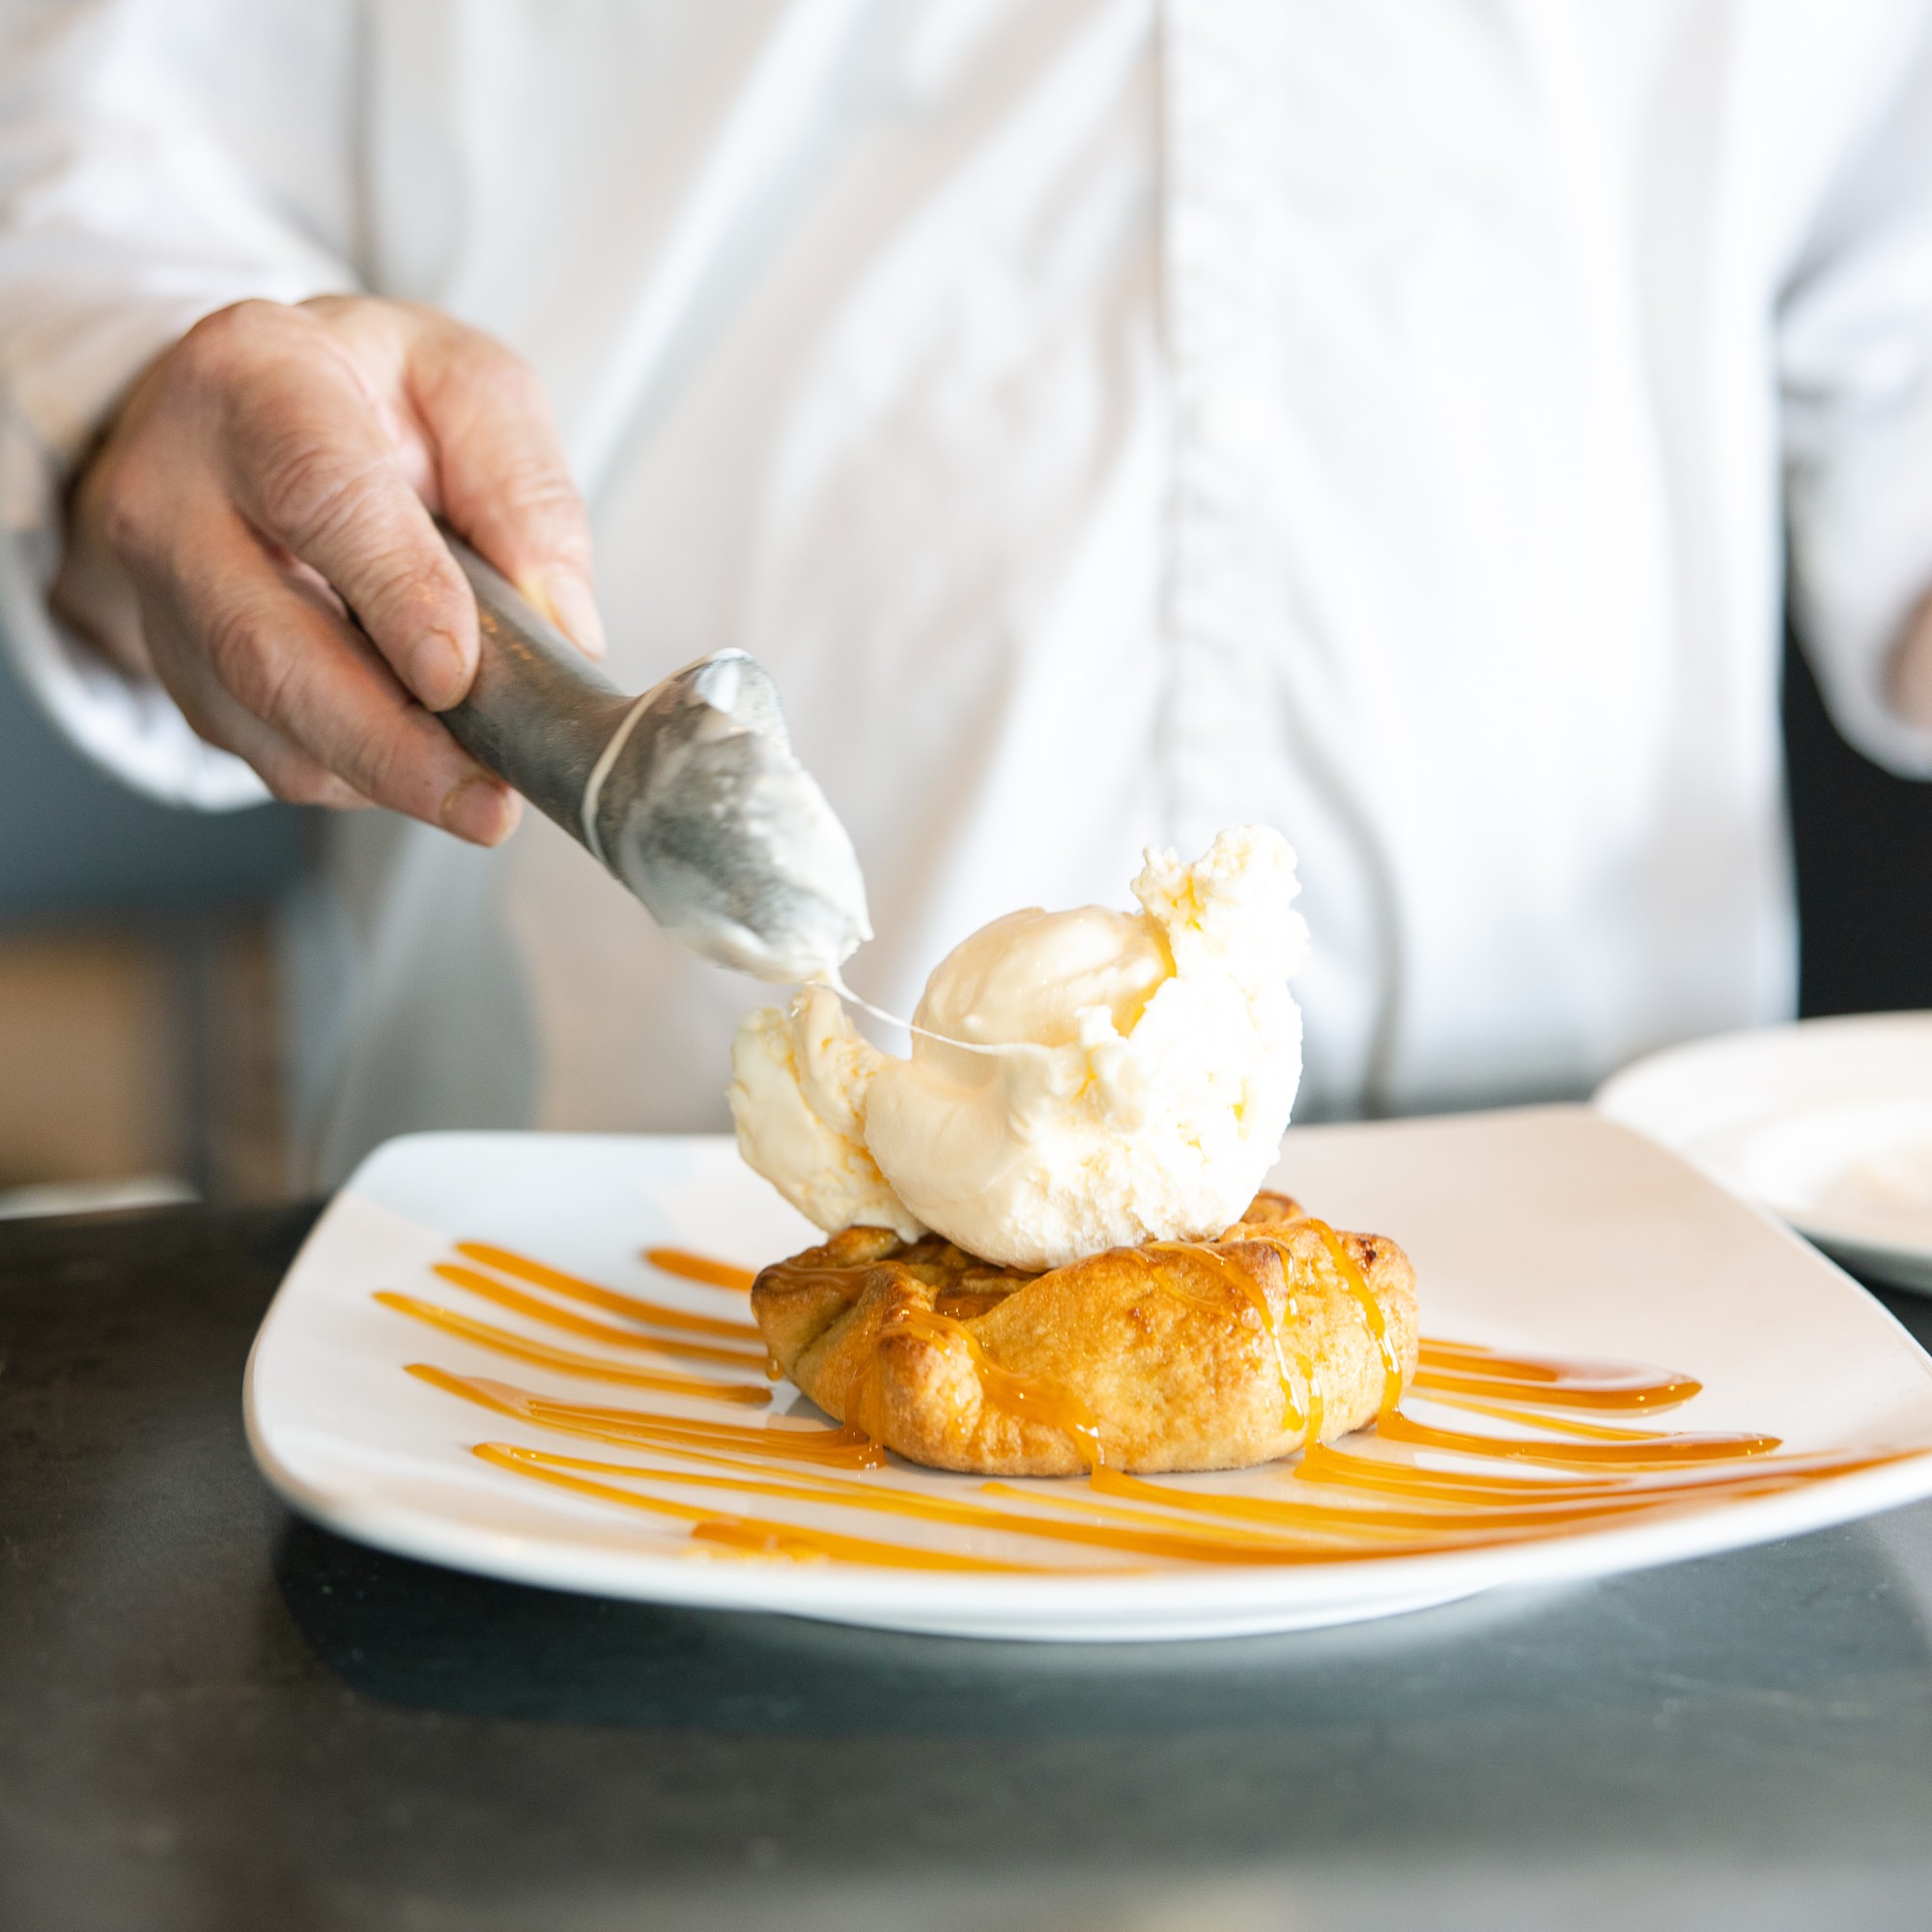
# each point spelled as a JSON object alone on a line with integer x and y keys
{"x": 746, "y": 1534}
{"x": 1175, "y": 1541}
{"x": 661, "y": 1315}
{"x": 1290, "y": 1534}
{"x": 1295, "y": 1412}
{"x": 1330, "y": 1468}
{"x": 968, "y": 1305}
{"x": 1463, "y": 1369}
{"x": 712, "y": 1444}
{"x": 1345, "y": 1506}
{"x": 1357, "y": 1285}
{"x": 596, "y": 1332}
{"x": 1391, "y": 1531}
{"x": 1131, "y": 1532}
{"x": 565, "y": 1361}
{"x": 1021, "y": 1395}
{"x": 1646, "y": 1453}
{"x": 688, "y": 1266}
{"x": 1540, "y": 1418}
{"x": 1348, "y": 1274}
{"x": 656, "y": 1429}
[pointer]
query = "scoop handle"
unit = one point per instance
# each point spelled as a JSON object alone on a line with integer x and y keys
{"x": 538, "y": 713}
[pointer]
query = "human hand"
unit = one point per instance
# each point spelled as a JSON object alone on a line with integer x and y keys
{"x": 255, "y": 532}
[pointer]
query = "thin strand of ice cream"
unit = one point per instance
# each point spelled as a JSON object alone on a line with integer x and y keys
{"x": 799, "y": 1074}
{"x": 864, "y": 1005}
{"x": 1149, "y": 1063}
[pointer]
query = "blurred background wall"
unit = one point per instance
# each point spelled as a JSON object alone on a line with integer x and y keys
{"x": 141, "y": 1044}
{"x": 141, "y": 1051}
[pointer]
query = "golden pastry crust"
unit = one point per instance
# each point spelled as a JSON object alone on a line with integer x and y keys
{"x": 1178, "y": 1355}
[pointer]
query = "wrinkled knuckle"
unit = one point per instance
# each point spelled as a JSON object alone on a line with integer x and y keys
{"x": 308, "y": 491}
{"x": 384, "y": 767}
{"x": 274, "y": 690}
{"x": 244, "y": 655}
{"x": 215, "y": 344}
{"x": 398, "y": 590}
{"x": 132, "y": 496}
{"x": 542, "y": 485}
{"x": 545, "y": 497}
{"x": 220, "y": 346}
{"x": 123, "y": 511}
{"x": 417, "y": 584}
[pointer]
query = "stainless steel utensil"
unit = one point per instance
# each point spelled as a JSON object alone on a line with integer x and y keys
{"x": 688, "y": 795}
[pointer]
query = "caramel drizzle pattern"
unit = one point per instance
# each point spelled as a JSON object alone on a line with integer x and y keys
{"x": 688, "y": 1266}
{"x": 1303, "y": 1415}
{"x": 1348, "y": 1271}
{"x": 1296, "y": 1412}
{"x": 519, "y": 1303}
{"x": 566, "y": 1361}
{"x": 1355, "y": 1507}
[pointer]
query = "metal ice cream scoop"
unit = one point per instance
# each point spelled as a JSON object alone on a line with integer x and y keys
{"x": 689, "y": 795}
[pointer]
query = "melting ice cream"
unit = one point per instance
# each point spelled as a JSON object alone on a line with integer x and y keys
{"x": 1078, "y": 1081}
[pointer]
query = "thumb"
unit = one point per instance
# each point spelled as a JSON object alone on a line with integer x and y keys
{"x": 502, "y": 473}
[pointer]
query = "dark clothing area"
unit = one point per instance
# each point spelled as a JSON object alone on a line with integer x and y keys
{"x": 1861, "y": 843}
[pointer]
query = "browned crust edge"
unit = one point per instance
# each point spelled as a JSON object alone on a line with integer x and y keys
{"x": 1163, "y": 1347}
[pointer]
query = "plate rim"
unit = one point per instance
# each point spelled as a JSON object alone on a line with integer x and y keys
{"x": 1899, "y": 1264}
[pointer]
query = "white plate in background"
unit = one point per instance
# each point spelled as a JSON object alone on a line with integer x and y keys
{"x": 1826, "y": 1123}
{"x": 1550, "y": 1230}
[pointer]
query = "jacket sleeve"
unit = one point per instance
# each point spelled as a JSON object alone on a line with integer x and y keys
{"x": 1855, "y": 361}
{"x": 158, "y": 162}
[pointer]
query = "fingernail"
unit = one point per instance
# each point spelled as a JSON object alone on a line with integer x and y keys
{"x": 436, "y": 670}
{"x": 574, "y": 611}
{"x": 481, "y": 810}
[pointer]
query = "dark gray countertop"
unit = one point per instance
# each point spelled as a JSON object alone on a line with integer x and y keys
{"x": 214, "y": 1716}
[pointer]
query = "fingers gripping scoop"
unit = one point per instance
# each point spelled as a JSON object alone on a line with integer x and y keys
{"x": 700, "y": 806}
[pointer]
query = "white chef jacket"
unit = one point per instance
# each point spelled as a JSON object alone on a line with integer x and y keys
{"x": 1109, "y": 420}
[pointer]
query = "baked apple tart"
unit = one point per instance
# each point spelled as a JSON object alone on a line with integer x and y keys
{"x": 1170, "y": 1355}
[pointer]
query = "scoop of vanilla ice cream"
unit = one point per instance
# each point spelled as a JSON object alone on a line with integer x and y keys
{"x": 799, "y": 1079}
{"x": 1149, "y": 1065}
{"x": 1098, "y": 1078}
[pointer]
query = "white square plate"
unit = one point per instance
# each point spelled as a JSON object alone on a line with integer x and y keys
{"x": 1545, "y": 1231}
